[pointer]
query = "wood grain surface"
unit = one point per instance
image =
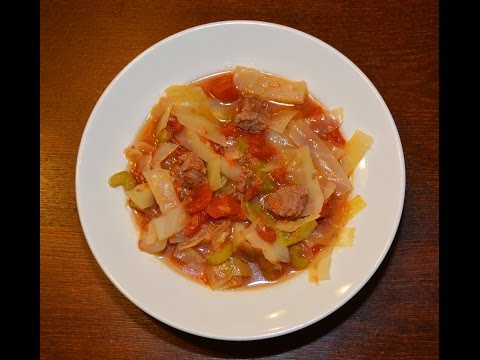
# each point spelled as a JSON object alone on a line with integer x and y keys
{"x": 84, "y": 44}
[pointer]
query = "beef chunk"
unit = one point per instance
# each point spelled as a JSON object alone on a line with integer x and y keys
{"x": 192, "y": 171}
{"x": 254, "y": 116}
{"x": 287, "y": 202}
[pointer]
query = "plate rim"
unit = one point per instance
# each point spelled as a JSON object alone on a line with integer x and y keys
{"x": 372, "y": 270}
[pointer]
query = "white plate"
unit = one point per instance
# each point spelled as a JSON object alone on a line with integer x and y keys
{"x": 186, "y": 56}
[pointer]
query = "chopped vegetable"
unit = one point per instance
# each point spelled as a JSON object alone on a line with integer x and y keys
{"x": 355, "y": 150}
{"x": 268, "y": 186}
{"x": 297, "y": 259}
{"x": 162, "y": 123}
{"x": 346, "y": 213}
{"x": 199, "y": 123}
{"x": 254, "y": 82}
{"x": 322, "y": 157}
{"x": 319, "y": 268}
{"x": 255, "y": 214}
{"x": 195, "y": 223}
{"x": 123, "y": 178}
{"x": 292, "y": 225}
{"x": 161, "y": 153}
{"x": 242, "y": 178}
{"x": 273, "y": 252}
{"x": 224, "y": 205}
{"x": 263, "y": 152}
{"x": 266, "y": 232}
{"x": 170, "y": 223}
{"x": 281, "y": 119}
{"x": 337, "y": 151}
{"x": 221, "y": 255}
{"x": 345, "y": 237}
{"x": 302, "y": 233}
{"x": 227, "y": 274}
{"x": 301, "y": 170}
{"x": 142, "y": 196}
{"x": 237, "y": 237}
{"x": 173, "y": 126}
{"x": 193, "y": 142}
{"x": 164, "y": 135}
{"x": 150, "y": 242}
{"x": 193, "y": 262}
{"x": 241, "y": 145}
{"x": 161, "y": 185}
{"x": 223, "y": 88}
{"x": 198, "y": 199}
{"x": 278, "y": 140}
{"x": 341, "y": 215}
{"x": 189, "y": 95}
{"x": 213, "y": 173}
{"x": 208, "y": 233}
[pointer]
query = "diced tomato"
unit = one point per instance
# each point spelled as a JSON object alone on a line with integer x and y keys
{"x": 257, "y": 138}
{"x": 219, "y": 149}
{"x": 326, "y": 209}
{"x": 263, "y": 152}
{"x": 173, "y": 125}
{"x": 266, "y": 232}
{"x": 224, "y": 205}
{"x": 223, "y": 88}
{"x": 316, "y": 248}
{"x": 241, "y": 215}
{"x": 251, "y": 192}
{"x": 198, "y": 199}
{"x": 234, "y": 131}
{"x": 278, "y": 175}
{"x": 336, "y": 137}
{"x": 312, "y": 109}
{"x": 230, "y": 130}
{"x": 195, "y": 223}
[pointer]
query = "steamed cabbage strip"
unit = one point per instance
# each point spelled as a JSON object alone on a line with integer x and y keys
{"x": 322, "y": 157}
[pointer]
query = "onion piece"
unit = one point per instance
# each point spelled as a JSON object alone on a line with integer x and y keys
{"x": 325, "y": 122}
{"x": 209, "y": 232}
{"x": 337, "y": 152}
{"x": 161, "y": 184}
{"x": 170, "y": 223}
{"x": 149, "y": 241}
{"x": 328, "y": 187}
{"x": 161, "y": 153}
{"x": 278, "y": 140}
{"x": 322, "y": 157}
{"x": 194, "y": 263}
{"x": 281, "y": 119}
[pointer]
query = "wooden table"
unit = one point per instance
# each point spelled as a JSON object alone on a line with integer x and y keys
{"x": 84, "y": 44}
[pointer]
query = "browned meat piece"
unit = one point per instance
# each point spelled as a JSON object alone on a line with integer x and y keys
{"x": 254, "y": 116}
{"x": 287, "y": 202}
{"x": 192, "y": 171}
{"x": 242, "y": 181}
